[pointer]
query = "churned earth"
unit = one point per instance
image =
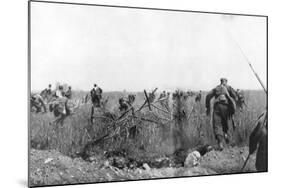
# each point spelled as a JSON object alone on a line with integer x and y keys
{"x": 52, "y": 168}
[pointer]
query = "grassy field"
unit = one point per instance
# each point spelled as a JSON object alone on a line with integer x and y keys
{"x": 150, "y": 138}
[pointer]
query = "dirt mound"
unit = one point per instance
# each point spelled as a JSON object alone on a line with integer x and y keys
{"x": 230, "y": 160}
{"x": 51, "y": 168}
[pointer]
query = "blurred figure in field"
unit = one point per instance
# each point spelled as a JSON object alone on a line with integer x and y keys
{"x": 68, "y": 93}
{"x": 198, "y": 97}
{"x": 240, "y": 100}
{"x": 125, "y": 104}
{"x": 37, "y": 102}
{"x": 48, "y": 90}
{"x": 223, "y": 110}
{"x": 47, "y": 93}
{"x": 59, "y": 106}
{"x": 59, "y": 92}
{"x": 96, "y": 96}
{"x": 162, "y": 95}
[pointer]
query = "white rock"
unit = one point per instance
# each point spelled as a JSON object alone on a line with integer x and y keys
{"x": 192, "y": 159}
{"x": 106, "y": 164}
{"x": 146, "y": 166}
{"x": 48, "y": 160}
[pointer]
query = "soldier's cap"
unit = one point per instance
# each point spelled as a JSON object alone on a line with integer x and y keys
{"x": 223, "y": 79}
{"x": 95, "y": 85}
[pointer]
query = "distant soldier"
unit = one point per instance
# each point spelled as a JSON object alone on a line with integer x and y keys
{"x": 258, "y": 139}
{"x": 96, "y": 95}
{"x": 223, "y": 109}
{"x": 164, "y": 99}
{"x": 36, "y": 101}
{"x": 241, "y": 99}
{"x": 59, "y": 92}
{"x": 162, "y": 95}
{"x": 124, "y": 104}
{"x": 47, "y": 93}
{"x": 151, "y": 96}
{"x": 68, "y": 93}
{"x": 59, "y": 105}
{"x": 198, "y": 96}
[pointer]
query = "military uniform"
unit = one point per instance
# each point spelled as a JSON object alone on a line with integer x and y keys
{"x": 68, "y": 93}
{"x": 37, "y": 102}
{"x": 198, "y": 97}
{"x": 258, "y": 138}
{"x": 224, "y": 107}
{"x": 96, "y": 95}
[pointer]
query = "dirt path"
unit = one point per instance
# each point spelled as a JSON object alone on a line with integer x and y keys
{"x": 51, "y": 168}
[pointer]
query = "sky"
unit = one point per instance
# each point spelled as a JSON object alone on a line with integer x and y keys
{"x": 135, "y": 49}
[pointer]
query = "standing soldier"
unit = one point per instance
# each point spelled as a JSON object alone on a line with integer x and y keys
{"x": 198, "y": 96}
{"x": 96, "y": 95}
{"x": 223, "y": 109}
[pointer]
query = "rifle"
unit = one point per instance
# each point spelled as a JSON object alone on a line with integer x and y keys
{"x": 248, "y": 61}
{"x": 245, "y": 162}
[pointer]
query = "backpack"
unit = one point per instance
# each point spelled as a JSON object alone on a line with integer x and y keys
{"x": 223, "y": 94}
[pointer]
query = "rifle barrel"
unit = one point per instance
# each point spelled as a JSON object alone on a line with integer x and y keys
{"x": 248, "y": 61}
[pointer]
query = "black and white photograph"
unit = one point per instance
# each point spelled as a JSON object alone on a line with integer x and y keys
{"x": 119, "y": 93}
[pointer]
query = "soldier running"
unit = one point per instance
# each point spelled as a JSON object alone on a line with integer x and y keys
{"x": 223, "y": 109}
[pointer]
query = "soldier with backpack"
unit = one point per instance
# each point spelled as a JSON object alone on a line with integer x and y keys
{"x": 96, "y": 96}
{"x": 223, "y": 109}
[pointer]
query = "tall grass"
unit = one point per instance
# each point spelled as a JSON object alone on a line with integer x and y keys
{"x": 151, "y": 138}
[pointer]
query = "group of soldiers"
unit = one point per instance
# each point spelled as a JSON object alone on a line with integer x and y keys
{"x": 226, "y": 100}
{"x": 38, "y": 101}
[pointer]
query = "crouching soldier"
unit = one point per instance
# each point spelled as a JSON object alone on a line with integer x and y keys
{"x": 223, "y": 109}
{"x": 37, "y": 102}
{"x": 125, "y": 104}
